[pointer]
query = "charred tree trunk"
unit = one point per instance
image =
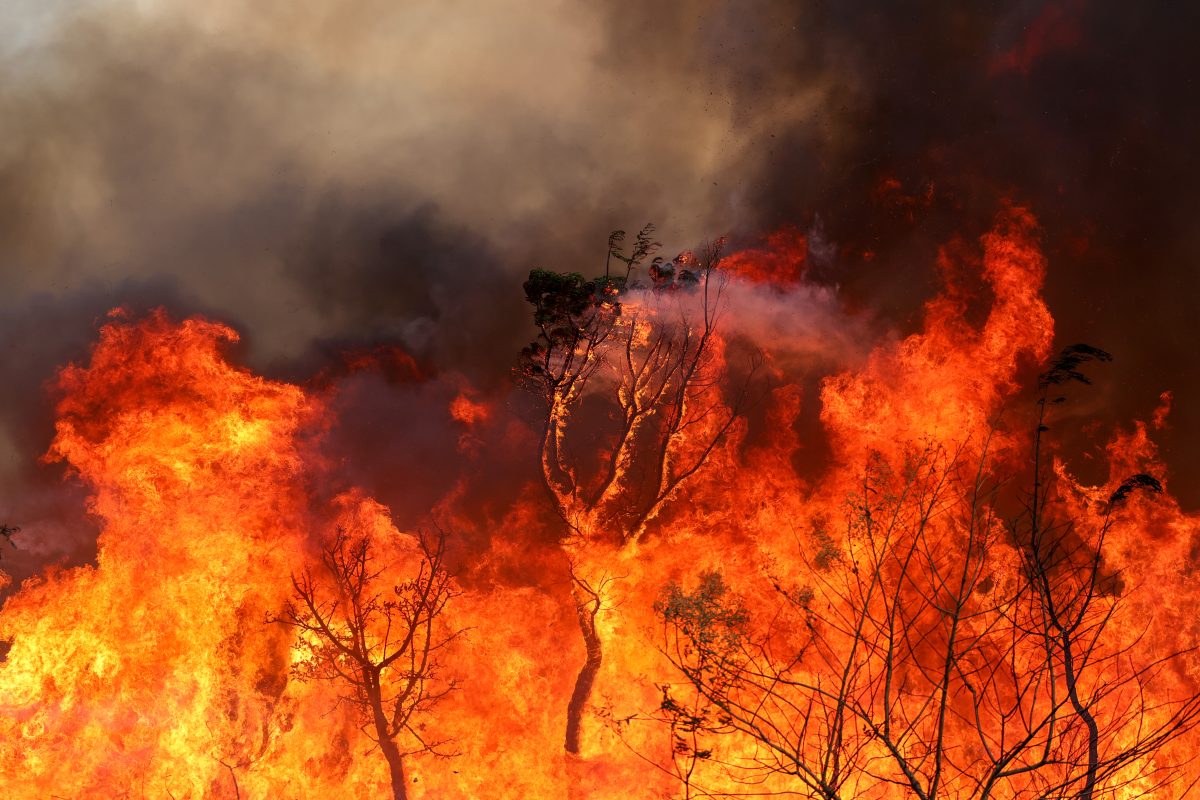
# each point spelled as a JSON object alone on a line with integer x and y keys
{"x": 587, "y": 605}
{"x": 387, "y": 745}
{"x": 391, "y": 679}
{"x": 1085, "y": 713}
{"x": 396, "y": 766}
{"x": 661, "y": 372}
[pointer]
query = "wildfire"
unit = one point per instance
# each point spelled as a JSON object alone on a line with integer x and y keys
{"x": 699, "y": 620}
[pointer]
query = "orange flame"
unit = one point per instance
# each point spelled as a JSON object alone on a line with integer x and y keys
{"x": 159, "y": 672}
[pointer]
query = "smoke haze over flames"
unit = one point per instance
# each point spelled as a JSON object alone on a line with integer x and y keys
{"x": 264, "y": 322}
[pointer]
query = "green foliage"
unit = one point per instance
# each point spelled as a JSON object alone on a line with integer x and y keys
{"x": 569, "y": 312}
{"x": 826, "y": 552}
{"x": 560, "y": 299}
{"x": 710, "y": 617}
{"x": 573, "y": 313}
{"x": 673, "y": 274}
{"x": 707, "y": 632}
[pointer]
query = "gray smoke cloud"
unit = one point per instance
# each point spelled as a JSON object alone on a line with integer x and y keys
{"x": 352, "y": 173}
{"x": 289, "y": 165}
{"x": 363, "y": 171}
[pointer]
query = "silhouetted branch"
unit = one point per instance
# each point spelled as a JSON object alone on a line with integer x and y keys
{"x": 381, "y": 642}
{"x": 914, "y": 656}
{"x": 7, "y": 532}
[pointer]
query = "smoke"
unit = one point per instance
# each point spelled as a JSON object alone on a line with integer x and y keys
{"x": 366, "y": 172}
{"x": 235, "y": 149}
{"x": 1079, "y": 109}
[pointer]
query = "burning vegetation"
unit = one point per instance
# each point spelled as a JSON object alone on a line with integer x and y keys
{"x": 676, "y": 593}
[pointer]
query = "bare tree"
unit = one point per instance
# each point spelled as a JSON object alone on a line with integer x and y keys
{"x": 939, "y": 651}
{"x": 648, "y": 372}
{"x": 1071, "y": 602}
{"x": 379, "y": 641}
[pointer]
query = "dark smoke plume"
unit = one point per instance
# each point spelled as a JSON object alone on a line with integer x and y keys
{"x": 369, "y": 174}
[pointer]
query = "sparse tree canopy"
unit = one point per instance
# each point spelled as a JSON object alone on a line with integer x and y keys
{"x": 381, "y": 642}
{"x": 943, "y": 651}
{"x": 650, "y": 367}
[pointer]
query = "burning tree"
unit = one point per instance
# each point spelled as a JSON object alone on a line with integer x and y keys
{"x": 936, "y": 650}
{"x": 635, "y": 368}
{"x": 650, "y": 360}
{"x": 379, "y": 641}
